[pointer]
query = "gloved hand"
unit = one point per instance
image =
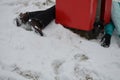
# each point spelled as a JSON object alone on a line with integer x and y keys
{"x": 106, "y": 40}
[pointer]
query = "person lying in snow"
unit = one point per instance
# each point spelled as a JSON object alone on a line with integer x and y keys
{"x": 115, "y": 23}
{"x": 37, "y": 19}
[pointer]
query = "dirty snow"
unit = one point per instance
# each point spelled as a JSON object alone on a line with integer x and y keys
{"x": 59, "y": 55}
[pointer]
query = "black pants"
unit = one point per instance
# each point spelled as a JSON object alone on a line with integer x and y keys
{"x": 45, "y": 16}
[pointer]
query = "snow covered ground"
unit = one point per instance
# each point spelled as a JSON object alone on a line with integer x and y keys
{"x": 59, "y": 55}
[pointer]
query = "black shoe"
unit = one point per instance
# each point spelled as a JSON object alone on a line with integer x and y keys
{"x": 106, "y": 40}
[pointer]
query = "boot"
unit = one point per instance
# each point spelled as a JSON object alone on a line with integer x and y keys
{"x": 37, "y": 26}
{"x": 106, "y": 39}
{"x": 22, "y": 18}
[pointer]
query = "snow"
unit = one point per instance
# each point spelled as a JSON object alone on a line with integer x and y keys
{"x": 59, "y": 55}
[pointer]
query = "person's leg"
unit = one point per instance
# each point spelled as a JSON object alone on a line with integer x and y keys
{"x": 33, "y": 14}
{"x": 47, "y": 16}
{"x": 37, "y": 19}
{"x": 40, "y": 19}
{"x": 44, "y": 17}
{"x": 38, "y": 14}
{"x": 106, "y": 39}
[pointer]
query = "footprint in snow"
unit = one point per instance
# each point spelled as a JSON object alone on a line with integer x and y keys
{"x": 28, "y": 74}
{"x": 81, "y": 57}
{"x": 56, "y": 65}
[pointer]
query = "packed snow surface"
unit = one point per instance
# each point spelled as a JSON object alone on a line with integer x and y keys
{"x": 59, "y": 55}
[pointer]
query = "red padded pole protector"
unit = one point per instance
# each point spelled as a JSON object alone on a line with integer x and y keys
{"x": 106, "y": 11}
{"x": 77, "y": 14}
